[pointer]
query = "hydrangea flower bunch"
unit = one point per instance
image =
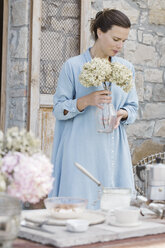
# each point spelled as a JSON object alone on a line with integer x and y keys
{"x": 18, "y": 140}
{"x": 28, "y": 177}
{"x": 121, "y": 76}
{"x": 99, "y": 70}
{"x": 95, "y": 72}
{"x": 25, "y": 172}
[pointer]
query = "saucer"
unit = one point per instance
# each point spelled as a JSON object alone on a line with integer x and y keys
{"x": 40, "y": 215}
{"x": 114, "y": 223}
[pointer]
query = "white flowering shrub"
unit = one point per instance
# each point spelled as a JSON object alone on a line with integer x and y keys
{"x": 99, "y": 70}
{"x": 24, "y": 171}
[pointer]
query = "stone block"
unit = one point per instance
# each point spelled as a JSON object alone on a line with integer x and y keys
{"x": 18, "y": 92}
{"x": 130, "y": 10}
{"x": 141, "y": 129}
{"x": 18, "y": 109}
{"x": 70, "y": 10}
{"x": 144, "y": 18}
{"x": 149, "y": 39}
{"x": 19, "y": 13}
{"x": 141, "y": 54}
{"x": 141, "y": 4}
{"x": 147, "y": 92}
{"x": 153, "y": 75}
{"x": 161, "y": 45}
{"x": 162, "y": 60}
{"x": 145, "y": 149}
{"x": 13, "y": 37}
{"x": 158, "y": 4}
{"x": 19, "y": 43}
{"x": 153, "y": 111}
{"x": 15, "y": 123}
{"x": 139, "y": 81}
{"x": 97, "y": 5}
{"x": 157, "y": 16}
{"x": 132, "y": 34}
{"x": 140, "y": 35}
{"x": 159, "y": 129}
{"x": 159, "y": 93}
{"x": 18, "y": 73}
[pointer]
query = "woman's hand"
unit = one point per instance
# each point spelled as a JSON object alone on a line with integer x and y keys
{"x": 121, "y": 114}
{"x": 94, "y": 99}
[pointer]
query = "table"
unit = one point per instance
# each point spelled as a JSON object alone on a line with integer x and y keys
{"x": 150, "y": 234}
{"x": 149, "y": 241}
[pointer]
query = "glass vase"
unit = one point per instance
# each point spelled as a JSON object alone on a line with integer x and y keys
{"x": 106, "y": 117}
{"x": 10, "y": 214}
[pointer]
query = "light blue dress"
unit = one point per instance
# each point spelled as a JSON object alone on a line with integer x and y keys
{"x": 105, "y": 155}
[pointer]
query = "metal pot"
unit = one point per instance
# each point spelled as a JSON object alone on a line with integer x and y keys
{"x": 110, "y": 198}
{"x": 154, "y": 179}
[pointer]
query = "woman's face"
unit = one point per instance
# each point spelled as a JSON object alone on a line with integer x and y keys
{"x": 111, "y": 42}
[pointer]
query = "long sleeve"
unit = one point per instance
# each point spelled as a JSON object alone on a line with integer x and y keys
{"x": 131, "y": 103}
{"x": 64, "y": 98}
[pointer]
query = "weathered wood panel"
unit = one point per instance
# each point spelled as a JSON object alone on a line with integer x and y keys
{"x": 47, "y": 123}
{"x": 35, "y": 66}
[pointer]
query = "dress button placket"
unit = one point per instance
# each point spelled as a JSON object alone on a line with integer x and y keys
{"x": 112, "y": 159}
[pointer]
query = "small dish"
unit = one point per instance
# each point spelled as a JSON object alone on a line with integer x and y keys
{"x": 65, "y": 207}
{"x": 77, "y": 225}
{"x": 115, "y": 223}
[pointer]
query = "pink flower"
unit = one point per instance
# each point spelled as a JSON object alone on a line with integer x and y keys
{"x": 30, "y": 176}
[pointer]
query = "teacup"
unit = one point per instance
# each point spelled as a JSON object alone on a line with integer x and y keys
{"x": 127, "y": 215}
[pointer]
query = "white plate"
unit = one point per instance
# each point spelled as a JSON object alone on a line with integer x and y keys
{"x": 114, "y": 223}
{"x": 40, "y": 215}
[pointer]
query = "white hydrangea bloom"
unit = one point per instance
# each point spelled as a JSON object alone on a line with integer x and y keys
{"x": 94, "y": 73}
{"x": 121, "y": 76}
{"x": 99, "y": 70}
{"x": 21, "y": 141}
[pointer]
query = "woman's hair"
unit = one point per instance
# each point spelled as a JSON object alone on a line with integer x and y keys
{"x": 106, "y": 19}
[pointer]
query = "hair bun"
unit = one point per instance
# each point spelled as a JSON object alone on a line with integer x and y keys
{"x": 98, "y": 14}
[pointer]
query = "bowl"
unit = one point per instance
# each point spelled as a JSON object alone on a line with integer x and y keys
{"x": 65, "y": 207}
{"x": 127, "y": 215}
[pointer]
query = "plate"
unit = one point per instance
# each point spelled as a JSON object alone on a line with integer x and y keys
{"x": 40, "y": 215}
{"x": 114, "y": 223}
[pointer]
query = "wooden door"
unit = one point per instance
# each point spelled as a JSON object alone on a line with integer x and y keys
{"x": 53, "y": 41}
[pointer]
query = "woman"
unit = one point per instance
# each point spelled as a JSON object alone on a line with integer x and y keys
{"x": 106, "y": 156}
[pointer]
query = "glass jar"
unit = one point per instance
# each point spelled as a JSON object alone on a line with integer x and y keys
{"x": 10, "y": 214}
{"x": 112, "y": 198}
{"x": 106, "y": 117}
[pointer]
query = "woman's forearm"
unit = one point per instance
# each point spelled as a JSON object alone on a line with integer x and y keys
{"x": 82, "y": 103}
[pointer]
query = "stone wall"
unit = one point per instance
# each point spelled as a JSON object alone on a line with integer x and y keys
{"x": 145, "y": 48}
{"x": 18, "y": 63}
